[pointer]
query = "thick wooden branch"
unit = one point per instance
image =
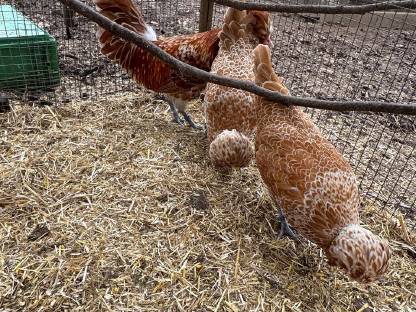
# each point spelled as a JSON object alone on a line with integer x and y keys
{"x": 323, "y": 9}
{"x": 190, "y": 71}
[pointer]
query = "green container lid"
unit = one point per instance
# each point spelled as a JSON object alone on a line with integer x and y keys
{"x": 28, "y": 54}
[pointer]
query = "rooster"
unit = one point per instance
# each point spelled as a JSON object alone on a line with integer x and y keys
{"x": 198, "y": 50}
{"x": 312, "y": 182}
{"x": 230, "y": 113}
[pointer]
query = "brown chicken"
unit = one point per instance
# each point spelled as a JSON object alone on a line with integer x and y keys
{"x": 231, "y": 113}
{"x": 198, "y": 50}
{"x": 312, "y": 182}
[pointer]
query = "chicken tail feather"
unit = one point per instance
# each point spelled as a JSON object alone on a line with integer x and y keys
{"x": 118, "y": 50}
{"x": 231, "y": 149}
{"x": 233, "y": 28}
{"x": 234, "y": 15}
{"x": 125, "y": 13}
{"x": 264, "y": 73}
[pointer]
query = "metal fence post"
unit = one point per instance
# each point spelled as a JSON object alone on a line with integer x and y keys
{"x": 205, "y": 15}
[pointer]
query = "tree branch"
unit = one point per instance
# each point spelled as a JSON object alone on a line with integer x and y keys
{"x": 190, "y": 71}
{"x": 324, "y": 9}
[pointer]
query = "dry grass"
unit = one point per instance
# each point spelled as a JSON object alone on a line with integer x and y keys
{"x": 109, "y": 206}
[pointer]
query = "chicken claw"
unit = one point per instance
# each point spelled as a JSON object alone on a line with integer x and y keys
{"x": 176, "y": 117}
{"x": 285, "y": 229}
{"x": 190, "y": 122}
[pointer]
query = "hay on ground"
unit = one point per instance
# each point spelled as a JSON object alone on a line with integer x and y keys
{"x": 108, "y": 205}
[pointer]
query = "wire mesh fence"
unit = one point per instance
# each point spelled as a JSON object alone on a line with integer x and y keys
{"x": 84, "y": 72}
{"x": 28, "y": 54}
{"x": 359, "y": 57}
{"x": 356, "y": 57}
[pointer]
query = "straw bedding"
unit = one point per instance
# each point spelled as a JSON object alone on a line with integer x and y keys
{"x": 108, "y": 205}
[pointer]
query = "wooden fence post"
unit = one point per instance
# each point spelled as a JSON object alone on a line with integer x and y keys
{"x": 68, "y": 20}
{"x": 205, "y": 15}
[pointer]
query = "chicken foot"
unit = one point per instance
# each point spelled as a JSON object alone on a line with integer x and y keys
{"x": 285, "y": 229}
{"x": 190, "y": 122}
{"x": 176, "y": 117}
{"x": 175, "y": 112}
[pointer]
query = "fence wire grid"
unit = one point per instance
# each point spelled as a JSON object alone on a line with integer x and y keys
{"x": 354, "y": 57}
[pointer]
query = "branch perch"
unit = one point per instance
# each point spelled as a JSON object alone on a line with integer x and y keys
{"x": 323, "y": 9}
{"x": 190, "y": 71}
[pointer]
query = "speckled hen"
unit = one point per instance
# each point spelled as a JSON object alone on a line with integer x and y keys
{"x": 230, "y": 113}
{"x": 311, "y": 181}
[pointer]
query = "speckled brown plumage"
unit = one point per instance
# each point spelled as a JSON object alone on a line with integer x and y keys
{"x": 231, "y": 148}
{"x": 312, "y": 182}
{"x": 227, "y": 108}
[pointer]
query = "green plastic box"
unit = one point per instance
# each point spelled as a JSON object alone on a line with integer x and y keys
{"x": 28, "y": 54}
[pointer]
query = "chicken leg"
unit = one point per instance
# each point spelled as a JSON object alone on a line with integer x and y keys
{"x": 285, "y": 229}
{"x": 178, "y": 107}
{"x": 176, "y": 117}
{"x": 190, "y": 122}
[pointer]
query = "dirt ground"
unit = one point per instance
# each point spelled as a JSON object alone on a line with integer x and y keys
{"x": 108, "y": 205}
